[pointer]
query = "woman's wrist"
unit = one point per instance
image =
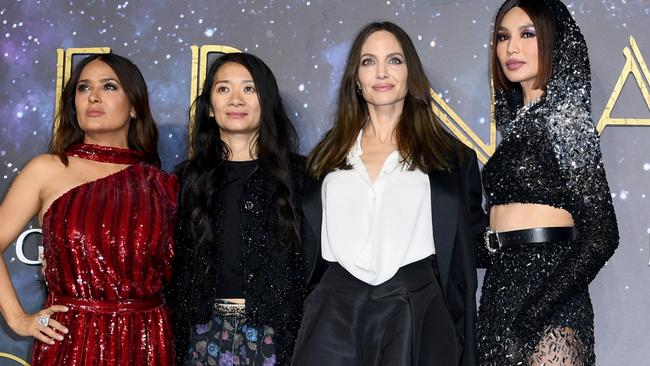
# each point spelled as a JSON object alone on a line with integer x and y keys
{"x": 13, "y": 318}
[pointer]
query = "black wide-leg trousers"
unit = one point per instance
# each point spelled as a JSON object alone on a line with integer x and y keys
{"x": 401, "y": 322}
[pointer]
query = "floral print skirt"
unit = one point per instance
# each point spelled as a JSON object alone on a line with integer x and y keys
{"x": 230, "y": 340}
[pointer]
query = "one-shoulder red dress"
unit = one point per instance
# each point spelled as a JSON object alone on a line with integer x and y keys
{"x": 109, "y": 245}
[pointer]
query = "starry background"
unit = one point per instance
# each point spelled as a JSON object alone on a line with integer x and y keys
{"x": 305, "y": 43}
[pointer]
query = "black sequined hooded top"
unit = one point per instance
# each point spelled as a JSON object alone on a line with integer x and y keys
{"x": 550, "y": 155}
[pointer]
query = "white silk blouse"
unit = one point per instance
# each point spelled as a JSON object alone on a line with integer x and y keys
{"x": 373, "y": 229}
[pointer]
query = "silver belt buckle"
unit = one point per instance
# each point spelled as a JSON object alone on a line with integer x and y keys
{"x": 486, "y": 238}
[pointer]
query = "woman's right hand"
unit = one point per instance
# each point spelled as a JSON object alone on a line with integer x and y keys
{"x": 40, "y": 325}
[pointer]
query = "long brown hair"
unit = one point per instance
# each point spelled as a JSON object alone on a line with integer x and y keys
{"x": 421, "y": 138}
{"x": 143, "y": 133}
{"x": 542, "y": 19}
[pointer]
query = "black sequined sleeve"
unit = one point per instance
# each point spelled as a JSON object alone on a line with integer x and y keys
{"x": 577, "y": 151}
{"x": 181, "y": 295}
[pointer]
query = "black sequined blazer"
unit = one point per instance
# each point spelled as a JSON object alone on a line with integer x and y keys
{"x": 274, "y": 283}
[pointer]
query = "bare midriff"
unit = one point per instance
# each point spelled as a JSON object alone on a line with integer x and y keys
{"x": 518, "y": 216}
{"x": 236, "y": 301}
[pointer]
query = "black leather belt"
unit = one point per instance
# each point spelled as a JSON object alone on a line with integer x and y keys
{"x": 494, "y": 240}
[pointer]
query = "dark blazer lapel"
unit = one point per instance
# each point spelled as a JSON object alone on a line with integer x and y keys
{"x": 312, "y": 208}
{"x": 444, "y": 213}
{"x": 312, "y": 205}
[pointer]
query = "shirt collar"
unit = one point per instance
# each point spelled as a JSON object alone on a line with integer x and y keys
{"x": 392, "y": 161}
{"x": 356, "y": 151}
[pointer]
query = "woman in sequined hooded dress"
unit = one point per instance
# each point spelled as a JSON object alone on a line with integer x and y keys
{"x": 552, "y": 221}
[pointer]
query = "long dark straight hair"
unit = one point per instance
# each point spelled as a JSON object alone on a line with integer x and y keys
{"x": 274, "y": 144}
{"x": 143, "y": 133}
{"x": 421, "y": 138}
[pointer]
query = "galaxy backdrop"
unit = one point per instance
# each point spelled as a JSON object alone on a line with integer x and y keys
{"x": 305, "y": 43}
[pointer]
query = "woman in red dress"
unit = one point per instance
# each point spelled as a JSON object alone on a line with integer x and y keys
{"x": 107, "y": 215}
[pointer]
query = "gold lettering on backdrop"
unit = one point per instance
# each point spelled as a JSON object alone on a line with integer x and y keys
{"x": 18, "y": 360}
{"x": 462, "y": 131}
{"x": 64, "y": 69}
{"x": 636, "y": 66}
{"x": 199, "y": 71}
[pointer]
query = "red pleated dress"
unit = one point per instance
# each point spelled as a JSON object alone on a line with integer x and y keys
{"x": 108, "y": 246}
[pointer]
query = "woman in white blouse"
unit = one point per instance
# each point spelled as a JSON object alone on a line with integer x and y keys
{"x": 401, "y": 205}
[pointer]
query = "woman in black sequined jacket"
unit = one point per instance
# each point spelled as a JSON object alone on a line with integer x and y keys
{"x": 546, "y": 173}
{"x": 265, "y": 248}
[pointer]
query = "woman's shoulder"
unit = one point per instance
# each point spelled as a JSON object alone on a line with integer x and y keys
{"x": 44, "y": 166}
{"x": 158, "y": 172}
{"x": 39, "y": 173}
{"x": 157, "y": 177}
{"x": 46, "y": 161}
{"x": 42, "y": 175}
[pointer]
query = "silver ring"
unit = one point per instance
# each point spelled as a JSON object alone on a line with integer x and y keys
{"x": 43, "y": 321}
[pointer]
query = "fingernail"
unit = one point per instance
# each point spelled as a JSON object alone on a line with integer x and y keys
{"x": 65, "y": 330}
{"x": 67, "y": 308}
{"x": 51, "y": 341}
{"x": 59, "y": 337}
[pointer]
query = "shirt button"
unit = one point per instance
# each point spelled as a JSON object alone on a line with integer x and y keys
{"x": 248, "y": 205}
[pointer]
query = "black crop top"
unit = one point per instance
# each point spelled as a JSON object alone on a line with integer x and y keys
{"x": 524, "y": 169}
